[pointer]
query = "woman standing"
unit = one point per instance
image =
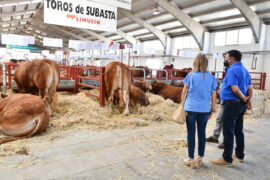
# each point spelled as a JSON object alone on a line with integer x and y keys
{"x": 200, "y": 102}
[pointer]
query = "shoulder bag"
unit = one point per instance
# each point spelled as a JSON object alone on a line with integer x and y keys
{"x": 179, "y": 115}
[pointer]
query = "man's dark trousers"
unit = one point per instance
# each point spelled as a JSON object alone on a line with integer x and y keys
{"x": 232, "y": 119}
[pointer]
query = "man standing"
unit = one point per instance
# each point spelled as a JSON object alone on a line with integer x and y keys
{"x": 236, "y": 92}
{"x": 219, "y": 124}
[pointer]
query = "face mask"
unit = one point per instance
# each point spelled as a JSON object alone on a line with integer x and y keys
{"x": 226, "y": 63}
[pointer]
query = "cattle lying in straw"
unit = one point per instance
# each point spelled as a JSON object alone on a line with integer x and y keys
{"x": 136, "y": 97}
{"x": 39, "y": 77}
{"x": 143, "y": 85}
{"x": 21, "y": 116}
{"x": 117, "y": 78}
{"x": 167, "y": 91}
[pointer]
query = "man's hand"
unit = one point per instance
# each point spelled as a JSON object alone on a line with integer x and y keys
{"x": 246, "y": 99}
{"x": 249, "y": 105}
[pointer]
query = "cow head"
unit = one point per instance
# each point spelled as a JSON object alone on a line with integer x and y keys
{"x": 3, "y": 96}
{"x": 156, "y": 86}
{"x": 147, "y": 85}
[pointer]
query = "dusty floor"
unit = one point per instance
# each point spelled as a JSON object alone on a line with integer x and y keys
{"x": 152, "y": 152}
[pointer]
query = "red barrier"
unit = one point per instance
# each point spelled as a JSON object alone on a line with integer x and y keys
{"x": 91, "y": 73}
{"x": 78, "y": 73}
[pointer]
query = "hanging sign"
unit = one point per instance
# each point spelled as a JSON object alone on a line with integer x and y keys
{"x": 126, "y": 4}
{"x": 22, "y": 47}
{"x": 52, "y": 42}
{"x": 14, "y": 39}
{"x": 80, "y": 14}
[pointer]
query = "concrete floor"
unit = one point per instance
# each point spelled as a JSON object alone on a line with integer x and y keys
{"x": 153, "y": 152}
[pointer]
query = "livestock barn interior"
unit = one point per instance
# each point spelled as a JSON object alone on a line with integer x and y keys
{"x": 86, "y": 137}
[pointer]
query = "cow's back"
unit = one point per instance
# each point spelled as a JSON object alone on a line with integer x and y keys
{"x": 116, "y": 74}
{"x": 171, "y": 92}
{"x": 39, "y": 77}
{"x": 56, "y": 70}
{"x": 117, "y": 78}
{"x": 167, "y": 91}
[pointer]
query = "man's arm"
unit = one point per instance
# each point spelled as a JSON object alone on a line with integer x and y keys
{"x": 239, "y": 94}
{"x": 250, "y": 93}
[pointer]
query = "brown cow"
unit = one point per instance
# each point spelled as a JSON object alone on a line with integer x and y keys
{"x": 167, "y": 91}
{"x": 117, "y": 78}
{"x": 140, "y": 73}
{"x": 38, "y": 77}
{"x": 22, "y": 115}
{"x": 136, "y": 95}
{"x": 143, "y": 85}
{"x": 182, "y": 73}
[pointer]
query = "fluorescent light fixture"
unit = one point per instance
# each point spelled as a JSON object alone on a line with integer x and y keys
{"x": 253, "y": 8}
{"x": 36, "y": 1}
{"x": 10, "y": 4}
{"x": 196, "y": 19}
{"x": 30, "y": 12}
{"x": 24, "y": 2}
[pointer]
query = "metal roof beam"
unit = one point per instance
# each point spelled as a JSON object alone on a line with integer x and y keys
{"x": 158, "y": 33}
{"x": 69, "y": 33}
{"x": 195, "y": 28}
{"x": 16, "y": 13}
{"x": 15, "y": 21}
{"x": 129, "y": 38}
{"x": 48, "y": 33}
{"x": 96, "y": 35}
{"x": 251, "y": 17}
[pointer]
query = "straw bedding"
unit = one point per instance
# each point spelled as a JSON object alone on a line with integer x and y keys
{"x": 79, "y": 111}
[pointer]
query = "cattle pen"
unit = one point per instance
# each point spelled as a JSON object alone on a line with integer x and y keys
{"x": 76, "y": 78}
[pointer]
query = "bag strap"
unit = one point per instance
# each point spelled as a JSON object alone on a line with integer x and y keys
{"x": 187, "y": 89}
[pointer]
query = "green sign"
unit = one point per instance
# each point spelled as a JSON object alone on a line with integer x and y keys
{"x": 22, "y": 47}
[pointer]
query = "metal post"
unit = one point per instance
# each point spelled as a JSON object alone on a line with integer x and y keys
{"x": 9, "y": 76}
{"x": 4, "y": 87}
{"x": 102, "y": 90}
{"x": 128, "y": 57}
{"x": 263, "y": 80}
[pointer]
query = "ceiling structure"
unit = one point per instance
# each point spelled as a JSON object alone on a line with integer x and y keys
{"x": 176, "y": 18}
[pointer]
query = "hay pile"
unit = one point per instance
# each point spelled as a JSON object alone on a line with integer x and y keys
{"x": 259, "y": 103}
{"x": 81, "y": 111}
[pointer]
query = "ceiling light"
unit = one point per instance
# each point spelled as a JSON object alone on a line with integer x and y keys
{"x": 155, "y": 10}
{"x": 253, "y": 8}
{"x": 24, "y": 2}
{"x": 36, "y": 1}
{"x": 196, "y": 19}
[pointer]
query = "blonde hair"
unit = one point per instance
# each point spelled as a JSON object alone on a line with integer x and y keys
{"x": 200, "y": 63}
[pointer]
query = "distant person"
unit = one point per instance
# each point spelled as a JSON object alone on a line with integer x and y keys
{"x": 235, "y": 93}
{"x": 167, "y": 67}
{"x": 219, "y": 124}
{"x": 200, "y": 87}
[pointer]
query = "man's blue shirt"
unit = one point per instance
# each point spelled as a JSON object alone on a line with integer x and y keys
{"x": 237, "y": 75}
{"x": 199, "y": 91}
